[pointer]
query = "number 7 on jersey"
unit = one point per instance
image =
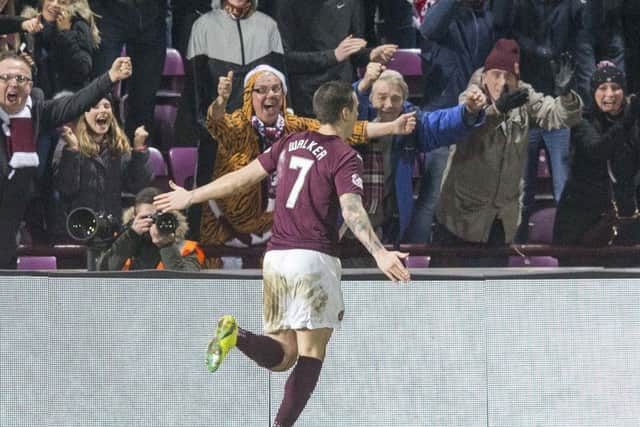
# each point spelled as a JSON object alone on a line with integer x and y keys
{"x": 303, "y": 165}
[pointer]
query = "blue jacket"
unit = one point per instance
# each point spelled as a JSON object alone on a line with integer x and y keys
{"x": 456, "y": 40}
{"x": 433, "y": 130}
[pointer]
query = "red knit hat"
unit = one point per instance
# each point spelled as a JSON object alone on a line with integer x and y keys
{"x": 504, "y": 56}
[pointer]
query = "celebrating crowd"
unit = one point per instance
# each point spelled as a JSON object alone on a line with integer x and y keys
{"x": 453, "y": 163}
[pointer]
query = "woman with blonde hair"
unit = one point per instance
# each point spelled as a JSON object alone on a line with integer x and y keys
{"x": 11, "y": 24}
{"x": 94, "y": 163}
{"x": 63, "y": 50}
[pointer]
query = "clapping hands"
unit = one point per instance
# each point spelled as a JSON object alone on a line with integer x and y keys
{"x": 348, "y": 47}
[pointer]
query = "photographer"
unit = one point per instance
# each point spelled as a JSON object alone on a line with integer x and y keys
{"x": 143, "y": 245}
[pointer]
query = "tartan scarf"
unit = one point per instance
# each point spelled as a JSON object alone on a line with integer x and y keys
{"x": 373, "y": 176}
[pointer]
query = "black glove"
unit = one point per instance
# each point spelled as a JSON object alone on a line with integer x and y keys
{"x": 510, "y": 100}
{"x": 563, "y": 68}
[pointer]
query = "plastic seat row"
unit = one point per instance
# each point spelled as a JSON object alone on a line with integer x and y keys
{"x": 181, "y": 166}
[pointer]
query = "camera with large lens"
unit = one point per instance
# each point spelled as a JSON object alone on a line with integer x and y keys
{"x": 165, "y": 222}
{"x": 84, "y": 224}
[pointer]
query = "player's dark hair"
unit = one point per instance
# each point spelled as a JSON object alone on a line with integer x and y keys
{"x": 330, "y": 99}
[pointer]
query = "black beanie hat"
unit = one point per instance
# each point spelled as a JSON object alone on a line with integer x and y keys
{"x": 608, "y": 74}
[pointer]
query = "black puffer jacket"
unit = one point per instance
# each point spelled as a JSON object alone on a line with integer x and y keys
{"x": 63, "y": 58}
{"x": 597, "y": 141}
{"x": 98, "y": 182}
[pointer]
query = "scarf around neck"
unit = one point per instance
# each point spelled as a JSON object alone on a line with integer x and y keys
{"x": 270, "y": 134}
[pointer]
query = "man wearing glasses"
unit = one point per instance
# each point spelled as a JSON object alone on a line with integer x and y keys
{"x": 23, "y": 115}
{"x": 245, "y": 219}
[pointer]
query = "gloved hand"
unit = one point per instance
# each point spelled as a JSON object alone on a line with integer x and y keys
{"x": 510, "y": 100}
{"x": 563, "y": 68}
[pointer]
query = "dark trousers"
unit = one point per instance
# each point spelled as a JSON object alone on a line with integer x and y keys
{"x": 14, "y": 195}
{"x": 443, "y": 237}
{"x": 397, "y": 26}
{"x": 143, "y": 30}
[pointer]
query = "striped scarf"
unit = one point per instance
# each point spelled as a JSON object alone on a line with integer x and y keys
{"x": 269, "y": 135}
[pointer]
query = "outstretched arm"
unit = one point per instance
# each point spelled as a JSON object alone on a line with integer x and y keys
{"x": 358, "y": 222}
{"x": 231, "y": 183}
{"x": 403, "y": 125}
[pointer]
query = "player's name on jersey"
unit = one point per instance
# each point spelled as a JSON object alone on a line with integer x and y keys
{"x": 312, "y": 146}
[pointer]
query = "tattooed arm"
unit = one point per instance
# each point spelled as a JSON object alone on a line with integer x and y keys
{"x": 389, "y": 262}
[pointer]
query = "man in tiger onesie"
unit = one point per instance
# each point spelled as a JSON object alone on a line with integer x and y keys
{"x": 245, "y": 219}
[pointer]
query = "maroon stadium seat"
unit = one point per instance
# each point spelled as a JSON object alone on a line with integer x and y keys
{"x": 160, "y": 169}
{"x": 541, "y": 225}
{"x": 37, "y": 263}
{"x": 532, "y": 261}
{"x": 413, "y": 261}
{"x": 182, "y": 162}
{"x": 408, "y": 63}
{"x": 164, "y": 119}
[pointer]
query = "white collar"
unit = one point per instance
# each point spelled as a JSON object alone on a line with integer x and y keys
{"x": 25, "y": 112}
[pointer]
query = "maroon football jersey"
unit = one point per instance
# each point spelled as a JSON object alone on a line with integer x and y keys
{"x": 313, "y": 171}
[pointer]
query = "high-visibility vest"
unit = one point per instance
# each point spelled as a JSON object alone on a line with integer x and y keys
{"x": 188, "y": 247}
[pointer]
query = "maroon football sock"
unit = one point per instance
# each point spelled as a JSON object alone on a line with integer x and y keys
{"x": 297, "y": 391}
{"x": 263, "y": 350}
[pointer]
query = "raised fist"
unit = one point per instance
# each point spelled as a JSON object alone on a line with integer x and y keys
{"x": 121, "y": 69}
{"x": 383, "y": 53}
{"x": 475, "y": 100}
{"x": 70, "y": 138}
{"x": 140, "y": 137}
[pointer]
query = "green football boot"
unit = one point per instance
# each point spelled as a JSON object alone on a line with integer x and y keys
{"x": 224, "y": 340}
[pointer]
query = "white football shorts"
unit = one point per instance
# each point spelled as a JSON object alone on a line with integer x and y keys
{"x": 301, "y": 290}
